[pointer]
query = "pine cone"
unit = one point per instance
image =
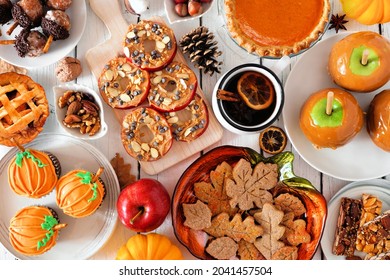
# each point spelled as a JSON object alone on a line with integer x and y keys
{"x": 202, "y": 50}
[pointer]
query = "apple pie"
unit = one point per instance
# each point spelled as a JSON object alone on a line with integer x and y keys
{"x": 23, "y": 109}
{"x": 276, "y": 28}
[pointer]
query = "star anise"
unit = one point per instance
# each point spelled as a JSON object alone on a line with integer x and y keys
{"x": 337, "y": 22}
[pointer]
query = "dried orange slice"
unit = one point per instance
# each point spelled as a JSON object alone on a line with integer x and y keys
{"x": 272, "y": 140}
{"x": 256, "y": 90}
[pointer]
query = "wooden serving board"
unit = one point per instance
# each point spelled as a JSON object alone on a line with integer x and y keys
{"x": 99, "y": 55}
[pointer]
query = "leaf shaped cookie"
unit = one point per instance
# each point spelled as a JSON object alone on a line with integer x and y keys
{"x": 249, "y": 188}
{"x": 214, "y": 193}
{"x": 248, "y": 251}
{"x": 237, "y": 229}
{"x": 198, "y": 215}
{"x": 295, "y": 232}
{"x": 290, "y": 203}
{"x": 222, "y": 248}
{"x": 270, "y": 219}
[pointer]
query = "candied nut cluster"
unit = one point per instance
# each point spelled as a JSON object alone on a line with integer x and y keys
{"x": 82, "y": 112}
{"x": 372, "y": 207}
{"x": 362, "y": 227}
{"x": 373, "y": 237}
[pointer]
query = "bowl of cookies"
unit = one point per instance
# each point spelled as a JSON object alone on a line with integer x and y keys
{"x": 79, "y": 111}
{"x": 253, "y": 207}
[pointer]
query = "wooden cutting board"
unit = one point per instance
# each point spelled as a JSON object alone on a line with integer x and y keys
{"x": 99, "y": 55}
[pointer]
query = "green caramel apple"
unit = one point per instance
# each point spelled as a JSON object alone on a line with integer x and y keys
{"x": 360, "y": 62}
{"x": 330, "y": 122}
{"x": 322, "y": 119}
{"x": 363, "y": 61}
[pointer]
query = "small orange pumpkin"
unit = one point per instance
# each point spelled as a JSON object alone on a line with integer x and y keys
{"x": 367, "y": 11}
{"x": 151, "y": 246}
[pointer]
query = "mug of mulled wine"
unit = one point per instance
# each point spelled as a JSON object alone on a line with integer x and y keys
{"x": 248, "y": 99}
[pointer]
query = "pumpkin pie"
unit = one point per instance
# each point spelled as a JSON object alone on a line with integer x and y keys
{"x": 23, "y": 109}
{"x": 276, "y": 28}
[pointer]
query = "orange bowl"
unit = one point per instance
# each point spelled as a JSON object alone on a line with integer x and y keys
{"x": 196, "y": 240}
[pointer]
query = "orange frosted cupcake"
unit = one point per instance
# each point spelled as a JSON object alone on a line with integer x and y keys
{"x": 33, "y": 173}
{"x": 34, "y": 230}
{"x": 80, "y": 193}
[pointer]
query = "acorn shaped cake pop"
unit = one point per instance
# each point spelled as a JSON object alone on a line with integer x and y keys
{"x": 33, "y": 173}
{"x": 5, "y": 11}
{"x": 59, "y": 4}
{"x": 34, "y": 230}
{"x": 79, "y": 193}
{"x": 27, "y": 14}
{"x": 56, "y": 25}
{"x": 30, "y": 43}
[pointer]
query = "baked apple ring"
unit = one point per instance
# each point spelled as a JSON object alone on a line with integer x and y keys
{"x": 150, "y": 45}
{"x": 122, "y": 84}
{"x": 172, "y": 88}
{"x": 146, "y": 135}
{"x": 189, "y": 123}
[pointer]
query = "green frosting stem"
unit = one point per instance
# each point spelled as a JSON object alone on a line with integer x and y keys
{"x": 27, "y": 154}
{"x": 95, "y": 192}
{"x": 86, "y": 178}
{"x": 48, "y": 225}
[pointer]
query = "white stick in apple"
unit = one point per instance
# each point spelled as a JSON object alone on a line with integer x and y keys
{"x": 329, "y": 102}
{"x": 365, "y": 54}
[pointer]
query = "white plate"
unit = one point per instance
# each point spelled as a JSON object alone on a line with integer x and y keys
{"x": 169, "y": 6}
{"x": 58, "y": 49}
{"x": 377, "y": 187}
{"x": 82, "y": 237}
{"x": 359, "y": 159}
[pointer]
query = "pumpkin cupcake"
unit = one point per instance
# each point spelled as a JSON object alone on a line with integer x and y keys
{"x": 34, "y": 230}
{"x": 80, "y": 193}
{"x": 33, "y": 173}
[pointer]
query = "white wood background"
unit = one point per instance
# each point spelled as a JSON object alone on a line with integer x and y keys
{"x": 96, "y": 33}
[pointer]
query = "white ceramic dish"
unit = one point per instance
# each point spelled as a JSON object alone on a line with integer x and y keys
{"x": 231, "y": 124}
{"x": 82, "y": 237}
{"x": 58, "y": 49}
{"x": 172, "y": 16}
{"x": 359, "y": 159}
{"x": 61, "y": 112}
{"x": 376, "y": 187}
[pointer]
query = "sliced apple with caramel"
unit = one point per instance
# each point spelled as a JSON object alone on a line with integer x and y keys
{"x": 191, "y": 122}
{"x": 150, "y": 45}
{"x": 172, "y": 88}
{"x": 146, "y": 135}
{"x": 123, "y": 85}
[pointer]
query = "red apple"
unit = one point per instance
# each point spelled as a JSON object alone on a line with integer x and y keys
{"x": 143, "y": 205}
{"x": 180, "y": 1}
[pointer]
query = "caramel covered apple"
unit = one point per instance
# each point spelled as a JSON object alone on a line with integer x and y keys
{"x": 378, "y": 115}
{"x": 360, "y": 62}
{"x": 330, "y": 118}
